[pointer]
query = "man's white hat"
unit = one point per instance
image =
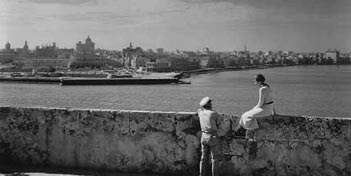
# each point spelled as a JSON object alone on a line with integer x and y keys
{"x": 204, "y": 101}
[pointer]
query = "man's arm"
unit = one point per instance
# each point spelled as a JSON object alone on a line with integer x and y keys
{"x": 217, "y": 120}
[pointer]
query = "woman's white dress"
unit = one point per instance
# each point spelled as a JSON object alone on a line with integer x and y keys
{"x": 262, "y": 109}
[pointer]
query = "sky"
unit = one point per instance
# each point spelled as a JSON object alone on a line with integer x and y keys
{"x": 220, "y": 25}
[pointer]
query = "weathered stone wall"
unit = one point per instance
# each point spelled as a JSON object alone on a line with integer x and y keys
{"x": 168, "y": 142}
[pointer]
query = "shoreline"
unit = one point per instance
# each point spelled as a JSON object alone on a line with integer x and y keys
{"x": 240, "y": 68}
{"x": 53, "y": 77}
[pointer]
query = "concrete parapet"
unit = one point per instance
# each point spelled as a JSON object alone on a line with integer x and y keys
{"x": 168, "y": 142}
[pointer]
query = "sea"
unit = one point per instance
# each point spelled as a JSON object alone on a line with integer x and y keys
{"x": 314, "y": 90}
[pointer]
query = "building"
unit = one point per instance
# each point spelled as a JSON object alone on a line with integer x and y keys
{"x": 44, "y": 63}
{"x": 159, "y": 65}
{"x": 159, "y": 50}
{"x": 85, "y": 55}
{"x": 215, "y": 61}
{"x": 7, "y": 55}
{"x": 65, "y": 53}
{"x": 130, "y": 56}
{"x": 204, "y": 61}
{"x": 86, "y": 49}
{"x": 184, "y": 63}
{"x": 332, "y": 55}
{"x": 46, "y": 52}
{"x": 48, "y": 56}
{"x": 24, "y": 52}
{"x": 139, "y": 61}
{"x": 230, "y": 60}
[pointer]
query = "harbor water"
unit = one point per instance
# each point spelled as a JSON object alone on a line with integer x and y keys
{"x": 298, "y": 90}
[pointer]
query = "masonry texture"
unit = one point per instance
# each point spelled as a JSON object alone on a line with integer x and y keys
{"x": 168, "y": 142}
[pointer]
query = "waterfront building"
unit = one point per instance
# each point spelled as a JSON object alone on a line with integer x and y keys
{"x": 46, "y": 52}
{"x": 159, "y": 50}
{"x": 25, "y": 47}
{"x": 24, "y": 56}
{"x": 332, "y": 55}
{"x": 109, "y": 59}
{"x": 130, "y": 56}
{"x": 150, "y": 51}
{"x": 48, "y": 56}
{"x": 7, "y": 55}
{"x": 157, "y": 66}
{"x": 139, "y": 61}
{"x": 215, "y": 61}
{"x": 230, "y": 60}
{"x": 87, "y": 49}
{"x": 184, "y": 63}
{"x": 39, "y": 63}
{"x": 65, "y": 53}
{"x": 254, "y": 60}
{"x": 204, "y": 61}
{"x": 269, "y": 59}
{"x": 24, "y": 52}
{"x": 85, "y": 55}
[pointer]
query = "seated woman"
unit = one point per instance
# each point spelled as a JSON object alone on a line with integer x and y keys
{"x": 263, "y": 108}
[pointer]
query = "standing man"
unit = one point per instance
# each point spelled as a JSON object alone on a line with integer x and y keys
{"x": 209, "y": 140}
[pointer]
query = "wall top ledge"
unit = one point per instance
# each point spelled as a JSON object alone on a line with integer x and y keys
{"x": 97, "y": 110}
{"x": 277, "y": 116}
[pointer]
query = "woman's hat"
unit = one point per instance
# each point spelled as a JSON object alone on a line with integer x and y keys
{"x": 205, "y": 101}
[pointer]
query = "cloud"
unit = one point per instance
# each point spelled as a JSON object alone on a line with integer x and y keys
{"x": 288, "y": 12}
{"x": 69, "y": 2}
{"x": 117, "y": 13}
{"x": 319, "y": 7}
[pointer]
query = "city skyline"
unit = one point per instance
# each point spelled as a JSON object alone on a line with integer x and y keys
{"x": 222, "y": 25}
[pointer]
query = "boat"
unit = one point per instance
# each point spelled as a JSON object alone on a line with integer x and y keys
{"x": 30, "y": 79}
{"x": 118, "y": 81}
{"x": 95, "y": 81}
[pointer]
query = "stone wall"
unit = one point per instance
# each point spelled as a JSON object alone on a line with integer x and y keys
{"x": 168, "y": 142}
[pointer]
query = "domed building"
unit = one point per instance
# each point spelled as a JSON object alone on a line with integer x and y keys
{"x": 7, "y": 55}
{"x": 85, "y": 55}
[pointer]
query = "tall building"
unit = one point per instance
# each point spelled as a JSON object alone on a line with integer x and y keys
{"x": 131, "y": 55}
{"x": 85, "y": 55}
{"x": 7, "y": 55}
{"x": 86, "y": 49}
{"x": 24, "y": 53}
{"x": 8, "y": 46}
{"x": 25, "y": 47}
